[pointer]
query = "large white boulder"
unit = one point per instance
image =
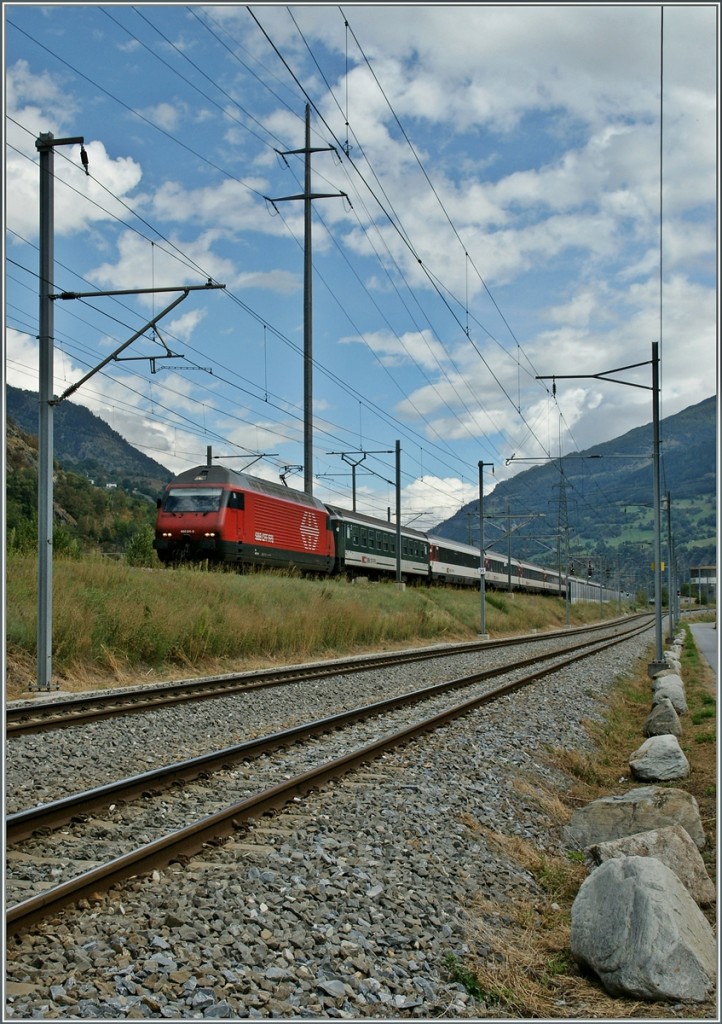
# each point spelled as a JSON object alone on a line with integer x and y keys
{"x": 670, "y": 688}
{"x": 659, "y": 759}
{"x": 635, "y": 925}
{"x": 663, "y": 720}
{"x": 673, "y": 847}
{"x": 638, "y": 810}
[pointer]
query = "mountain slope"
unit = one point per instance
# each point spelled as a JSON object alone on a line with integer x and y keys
{"x": 600, "y": 508}
{"x": 87, "y": 516}
{"x": 85, "y": 444}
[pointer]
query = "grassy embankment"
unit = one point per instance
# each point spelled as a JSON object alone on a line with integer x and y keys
{"x": 113, "y": 623}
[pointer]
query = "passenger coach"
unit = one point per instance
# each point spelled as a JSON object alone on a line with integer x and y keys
{"x": 214, "y": 514}
{"x": 367, "y": 547}
{"x": 453, "y": 562}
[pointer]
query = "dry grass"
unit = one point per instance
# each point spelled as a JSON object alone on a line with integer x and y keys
{"x": 521, "y": 963}
{"x": 115, "y": 624}
{"x": 531, "y": 975}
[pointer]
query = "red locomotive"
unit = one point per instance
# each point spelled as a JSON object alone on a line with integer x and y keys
{"x": 214, "y": 513}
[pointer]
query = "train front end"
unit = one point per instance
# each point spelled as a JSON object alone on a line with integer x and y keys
{"x": 189, "y": 523}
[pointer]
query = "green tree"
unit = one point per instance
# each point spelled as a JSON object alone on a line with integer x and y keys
{"x": 65, "y": 543}
{"x": 139, "y": 548}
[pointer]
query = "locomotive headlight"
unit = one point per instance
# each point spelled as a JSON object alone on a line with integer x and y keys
{"x": 210, "y": 534}
{"x": 166, "y": 534}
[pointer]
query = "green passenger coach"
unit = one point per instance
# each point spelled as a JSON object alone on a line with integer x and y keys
{"x": 367, "y": 547}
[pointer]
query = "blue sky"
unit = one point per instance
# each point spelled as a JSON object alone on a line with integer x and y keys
{"x": 501, "y": 170}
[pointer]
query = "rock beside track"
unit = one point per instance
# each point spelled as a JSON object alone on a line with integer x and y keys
{"x": 636, "y": 925}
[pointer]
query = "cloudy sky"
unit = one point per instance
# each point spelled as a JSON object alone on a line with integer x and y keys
{"x": 504, "y": 193}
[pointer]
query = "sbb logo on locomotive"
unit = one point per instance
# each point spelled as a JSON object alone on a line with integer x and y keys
{"x": 309, "y": 531}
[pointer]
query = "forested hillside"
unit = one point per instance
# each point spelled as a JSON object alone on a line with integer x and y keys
{"x": 87, "y": 516}
{"x": 85, "y": 444}
{"x": 597, "y": 505}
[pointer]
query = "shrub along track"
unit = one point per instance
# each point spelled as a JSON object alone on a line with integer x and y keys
{"x": 44, "y": 849}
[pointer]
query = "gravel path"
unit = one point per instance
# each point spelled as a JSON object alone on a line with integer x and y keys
{"x": 345, "y": 906}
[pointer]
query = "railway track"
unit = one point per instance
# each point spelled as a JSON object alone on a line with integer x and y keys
{"x": 38, "y": 715}
{"x": 177, "y": 810}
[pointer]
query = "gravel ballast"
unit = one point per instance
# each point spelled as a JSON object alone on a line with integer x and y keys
{"x": 346, "y": 904}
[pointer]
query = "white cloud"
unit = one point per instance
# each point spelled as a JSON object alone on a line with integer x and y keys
{"x": 165, "y": 115}
{"x": 29, "y": 95}
{"x": 84, "y": 203}
{"x": 413, "y": 347}
{"x": 253, "y": 434}
{"x": 21, "y": 360}
{"x": 430, "y": 499}
{"x": 230, "y": 205}
{"x": 142, "y": 264}
{"x": 184, "y": 326}
{"x": 105, "y": 394}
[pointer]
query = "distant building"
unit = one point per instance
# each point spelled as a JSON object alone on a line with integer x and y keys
{"x": 703, "y": 582}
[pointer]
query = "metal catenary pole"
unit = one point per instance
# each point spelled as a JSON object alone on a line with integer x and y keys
{"x": 658, "y": 662}
{"x": 45, "y": 144}
{"x": 307, "y": 196}
{"x": 483, "y": 635}
{"x": 354, "y": 463}
{"x": 671, "y": 586}
{"x": 398, "y": 512}
{"x": 659, "y": 658}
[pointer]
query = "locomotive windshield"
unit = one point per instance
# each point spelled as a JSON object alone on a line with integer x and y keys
{"x": 192, "y": 499}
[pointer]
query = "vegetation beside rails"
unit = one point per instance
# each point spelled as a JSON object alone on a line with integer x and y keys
{"x": 520, "y": 964}
{"x": 115, "y": 623}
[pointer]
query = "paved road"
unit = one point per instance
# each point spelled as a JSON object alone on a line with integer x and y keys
{"x": 706, "y": 637}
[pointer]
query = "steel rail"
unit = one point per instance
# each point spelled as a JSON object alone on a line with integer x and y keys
{"x": 20, "y": 825}
{"x": 219, "y": 826}
{"x": 40, "y": 716}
